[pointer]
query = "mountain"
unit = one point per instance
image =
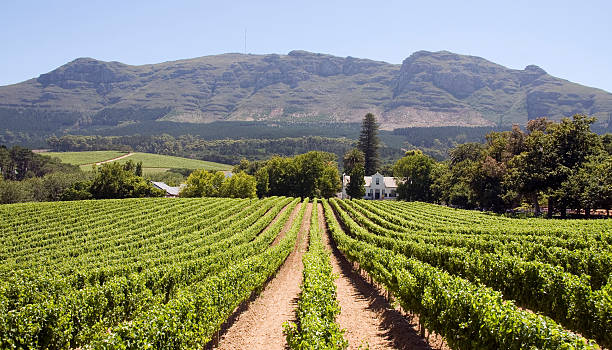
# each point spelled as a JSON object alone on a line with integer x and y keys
{"x": 427, "y": 89}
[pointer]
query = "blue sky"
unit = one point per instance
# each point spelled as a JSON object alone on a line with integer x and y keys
{"x": 569, "y": 39}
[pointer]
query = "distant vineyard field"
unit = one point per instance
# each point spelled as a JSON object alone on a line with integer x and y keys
{"x": 470, "y": 276}
{"x": 150, "y": 162}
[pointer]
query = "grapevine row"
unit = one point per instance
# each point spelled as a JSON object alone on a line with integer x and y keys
{"x": 317, "y": 309}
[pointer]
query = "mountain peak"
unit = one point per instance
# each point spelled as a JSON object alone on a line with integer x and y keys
{"x": 535, "y": 69}
{"x": 81, "y": 60}
{"x": 85, "y": 69}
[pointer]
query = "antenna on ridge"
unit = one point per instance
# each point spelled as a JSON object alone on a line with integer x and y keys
{"x": 245, "y": 51}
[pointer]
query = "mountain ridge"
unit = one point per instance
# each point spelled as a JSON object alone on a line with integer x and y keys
{"x": 428, "y": 89}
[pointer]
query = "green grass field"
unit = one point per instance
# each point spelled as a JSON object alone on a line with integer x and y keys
{"x": 83, "y": 158}
{"x": 151, "y": 163}
{"x": 162, "y": 162}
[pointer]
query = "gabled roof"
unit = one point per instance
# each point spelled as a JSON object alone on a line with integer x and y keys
{"x": 173, "y": 191}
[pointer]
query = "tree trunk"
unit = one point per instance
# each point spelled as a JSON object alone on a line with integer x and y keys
{"x": 563, "y": 212}
{"x": 550, "y": 208}
{"x": 536, "y": 204}
{"x": 587, "y": 213}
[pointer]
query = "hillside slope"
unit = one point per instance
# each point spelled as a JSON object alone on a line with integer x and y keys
{"x": 427, "y": 89}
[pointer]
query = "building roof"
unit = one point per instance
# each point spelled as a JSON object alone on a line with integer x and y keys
{"x": 172, "y": 191}
{"x": 390, "y": 182}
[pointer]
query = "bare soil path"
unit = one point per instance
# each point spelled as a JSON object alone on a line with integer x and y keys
{"x": 260, "y": 325}
{"x": 368, "y": 318}
{"x": 114, "y": 159}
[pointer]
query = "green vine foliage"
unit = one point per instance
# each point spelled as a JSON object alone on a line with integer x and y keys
{"x": 467, "y": 313}
{"x": 316, "y": 327}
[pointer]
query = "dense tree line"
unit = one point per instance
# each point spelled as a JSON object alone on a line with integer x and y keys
{"x": 425, "y": 136}
{"x": 28, "y": 177}
{"x": 313, "y": 174}
{"x": 18, "y": 163}
{"x": 563, "y": 164}
{"x": 113, "y": 180}
{"x": 202, "y": 183}
{"x": 49, "y": 187}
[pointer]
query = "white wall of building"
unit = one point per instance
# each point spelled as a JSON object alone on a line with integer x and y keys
{"x": 376, "y": 187}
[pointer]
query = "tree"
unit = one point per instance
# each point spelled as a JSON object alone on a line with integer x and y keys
{"x": 20, "y": 163}
{"x": 356, "y": 185}
{"x": 311, "y": 174}
{"x": 591, "y": 186}
{"x": 263, "y": 183}
{"x": 138, "y": 170}
{"x": 528, "y": 172}
{"x": 114, "y": 180}
{"x": 552, "y": 155}
{"x": 354, "y": 167}
{"x": 487, "y": 176}
{"x": 569, "y": 143}
{"x": 78, "y": 191}
{"x": 310, "y": 167}
{"x": 606, "y": 141}
{"x": 203, "y": 183}
{"x": 369, "y": 143}
{"x": 486, "y": 184}
{"x": 282, "y": 177}
{"x": 328, "y": 183}
{"x": 352, "y": 158}
{"x": 53, "y": 185}
{"x": 413, "y": 175}
{"x": 248, "y": 167}
{"x": 14, "y": 192}
{"x": 453, "y": 180}
{"x": 239, "y": 185}
{"x": 540, "y": 124}
{"x": 471, "y": 151}
{"x": 447, "y": 189}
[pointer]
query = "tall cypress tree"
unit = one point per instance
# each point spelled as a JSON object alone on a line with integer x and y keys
{"x": 369, "y": 143}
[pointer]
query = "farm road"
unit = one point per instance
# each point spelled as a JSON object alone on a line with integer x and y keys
{"x": 114, "y": 159}
{"x": 260, "y": 326}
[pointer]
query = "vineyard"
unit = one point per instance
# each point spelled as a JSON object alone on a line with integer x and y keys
{"x": 159, "y": 273}
{"x": 142, "y": 273}
{"x": 485, "y": 281}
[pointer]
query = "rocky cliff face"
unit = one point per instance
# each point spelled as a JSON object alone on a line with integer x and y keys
{"x": 428, "y": 89}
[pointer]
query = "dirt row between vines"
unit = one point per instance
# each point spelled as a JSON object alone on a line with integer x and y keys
{"x": 366, "y": 315}
{"x": 260, "y": 326}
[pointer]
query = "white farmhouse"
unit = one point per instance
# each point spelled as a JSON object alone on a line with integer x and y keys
{"x": 376, "y": 187}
